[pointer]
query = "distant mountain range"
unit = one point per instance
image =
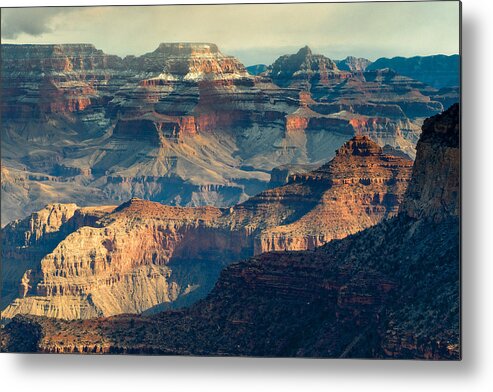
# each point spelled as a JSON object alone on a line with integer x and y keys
{"x": 439, "y": 71}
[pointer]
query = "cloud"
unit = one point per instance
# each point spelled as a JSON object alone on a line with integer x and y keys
{"x": 254, "y": 33}
{"x": 30, "y": 21}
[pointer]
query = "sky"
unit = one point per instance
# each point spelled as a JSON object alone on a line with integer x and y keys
{"x": 254, "y": 33}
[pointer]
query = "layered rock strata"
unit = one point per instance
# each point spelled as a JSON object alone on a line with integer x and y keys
{"x": 357, "y": 189}
{"x": 185, "y": 124}
{"x": 144, "y": 256}
{"x": 26, "y": 242}
{"x": 391, "y": 291}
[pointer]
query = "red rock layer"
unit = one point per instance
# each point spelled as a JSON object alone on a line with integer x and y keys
{"x": 38, "y": 80}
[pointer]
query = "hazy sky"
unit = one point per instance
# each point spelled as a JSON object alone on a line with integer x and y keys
{"x": 254, "y": 33}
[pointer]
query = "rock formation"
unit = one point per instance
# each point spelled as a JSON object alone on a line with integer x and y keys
{"x": 39, "y": 80}
{"x": 305, "y": 69}
{"x": 353, "y": 64}
{"x": 185, "y": 124}
{"x": 390, "y": 291}
{"x": 435, "y": 187}
{"x": 379, "y": 103}
{"x": 26, "y": 242}
{"x": 357, "y": 189}
{"x": 144, "y": 256}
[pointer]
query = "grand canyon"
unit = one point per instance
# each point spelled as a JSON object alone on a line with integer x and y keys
{"x": 182, "y": 203}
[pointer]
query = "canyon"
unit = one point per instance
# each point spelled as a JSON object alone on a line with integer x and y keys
{"x": 75, "y": 262}
{"x": 180, "y": 203}
{"x": 388, "y": 291}
{"x": 186, "y": 125}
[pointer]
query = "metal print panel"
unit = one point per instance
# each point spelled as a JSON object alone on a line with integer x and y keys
{"x": 270, "y": 180}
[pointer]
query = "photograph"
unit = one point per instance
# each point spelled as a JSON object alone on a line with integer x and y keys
{"x": 232, "y": 180}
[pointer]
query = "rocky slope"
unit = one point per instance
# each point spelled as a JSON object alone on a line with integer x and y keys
{"x": 391, "y": 291}
{"x": 185, "y": 124}
{"x": 438, "y": 71}
{"x": 24, "y": 191}
{"x": 147, "y": 256}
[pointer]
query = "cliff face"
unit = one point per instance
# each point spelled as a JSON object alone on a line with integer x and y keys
{"x": 147, "y": 256}
{"x": 185, "y": 124}
{"x": 380, "y": 103}
{"x": 435, "y": 187}
{"x": 39, "y": 80}
{"x": 357, "y": 189}
{"x": 391, "y": 291}
{"x": 26, "y": 242}
{"x": 187, "y": 61}
{"x": 119, "y": 264}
